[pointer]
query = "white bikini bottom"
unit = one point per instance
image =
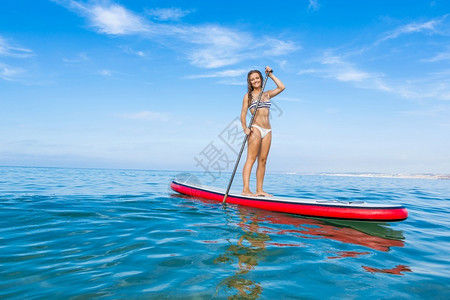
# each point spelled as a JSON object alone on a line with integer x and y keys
{"x": 263, "y": 131}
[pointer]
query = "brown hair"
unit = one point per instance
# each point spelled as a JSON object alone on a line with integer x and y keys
{"x": 249, "y": 85}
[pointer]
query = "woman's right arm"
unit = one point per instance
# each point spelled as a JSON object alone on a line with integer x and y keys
{"x": 244, "y": 115}
{"x": 280, "y": 86}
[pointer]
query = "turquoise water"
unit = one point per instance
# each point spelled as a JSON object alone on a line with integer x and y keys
{"x": 109, "y": 234}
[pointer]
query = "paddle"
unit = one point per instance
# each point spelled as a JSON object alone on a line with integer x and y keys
{"x": 245, "y": 139}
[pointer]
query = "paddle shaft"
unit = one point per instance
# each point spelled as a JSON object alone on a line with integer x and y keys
{"x": 245, "y": 139}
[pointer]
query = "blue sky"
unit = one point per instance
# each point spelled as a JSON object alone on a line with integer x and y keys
{"x": 159, "y": 84}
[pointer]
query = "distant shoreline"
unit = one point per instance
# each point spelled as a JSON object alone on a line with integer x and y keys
{"x": 378, "y": 175}
{"x": 368, "y": 175}
{"x": 410, "y": 176}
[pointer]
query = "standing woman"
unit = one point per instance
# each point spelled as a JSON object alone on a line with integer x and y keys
{"x": 260, "y": 133}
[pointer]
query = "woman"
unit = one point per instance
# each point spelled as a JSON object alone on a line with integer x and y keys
{"x": 260, "y": 133}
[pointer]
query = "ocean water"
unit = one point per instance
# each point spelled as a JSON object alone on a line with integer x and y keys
{"x": 110, "y": 234}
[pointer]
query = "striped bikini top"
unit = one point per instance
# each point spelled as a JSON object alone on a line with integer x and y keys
{"x": 262, "y": 104}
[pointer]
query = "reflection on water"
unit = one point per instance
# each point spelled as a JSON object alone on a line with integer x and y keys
{"x": 259, "y": 231}
{"x": 342, "y": 254}
{"x": 248, "y": 250}
{"x": 370, "y": 235}
{"x": 397, "y": 270}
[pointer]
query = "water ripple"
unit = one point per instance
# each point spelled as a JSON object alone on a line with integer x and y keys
{"x": 74, "y": 233}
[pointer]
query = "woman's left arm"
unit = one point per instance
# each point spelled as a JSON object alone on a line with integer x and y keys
{"x": 280, "y": 85}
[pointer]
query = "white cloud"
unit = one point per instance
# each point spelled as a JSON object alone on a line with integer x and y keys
{"x": 424, "y": 89}
{"x": 111, "y": 18}
{"x": 342, "y": 70}
{"x": 439, "y": 57}
{"x": 10, "y": 73}
{"x": 352, "y": 75}
{"x": 211, "y": 57}
{"x": 418, "y": 87}
{"x": 106, "y": 72}
{"x": 167, "y": 14}
{"x": 307, "y": 71}
{"x": 314, "y": 4}
{"x": 222, "y": 46}
{"x": 137, "y": 52}
{"x": 278, "y": 47}
{"x": 428, "y": 86}
{"x": 219, "y": 46}
{"x": 431, "y": 26}
{"x": 7, "y": 49}
{"x": 77, "y": 59}
{"x": 205, "y": 46}
{"x": 132, "y": 51}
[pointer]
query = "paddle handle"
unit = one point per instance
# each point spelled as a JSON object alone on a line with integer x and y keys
{"x": 245, "y": 140}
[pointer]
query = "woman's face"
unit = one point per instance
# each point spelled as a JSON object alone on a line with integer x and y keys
{"x": 255, "y": 80}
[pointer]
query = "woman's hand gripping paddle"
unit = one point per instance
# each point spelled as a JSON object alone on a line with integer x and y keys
{"x": 245, "y": 139}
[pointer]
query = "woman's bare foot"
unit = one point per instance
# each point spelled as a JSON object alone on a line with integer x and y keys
{"x": 247, "y": 193}
{"x": 263, "y": 194}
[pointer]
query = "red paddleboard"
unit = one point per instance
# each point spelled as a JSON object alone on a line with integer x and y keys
{"x": 349, "y": 210}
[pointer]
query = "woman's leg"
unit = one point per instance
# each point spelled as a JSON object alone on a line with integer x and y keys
{"x": 261, "y": 169}
{"x": 254, "y": 144}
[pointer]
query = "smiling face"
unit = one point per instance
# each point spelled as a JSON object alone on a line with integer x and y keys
{"x": 255, "y": 80}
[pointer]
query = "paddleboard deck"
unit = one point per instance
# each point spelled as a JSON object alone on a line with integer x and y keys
{"x": 349, "y": 210}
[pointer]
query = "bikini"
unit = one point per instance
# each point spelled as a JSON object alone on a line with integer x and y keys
{"x": 263, "y": 131}
{"x": 262, "y": 104}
